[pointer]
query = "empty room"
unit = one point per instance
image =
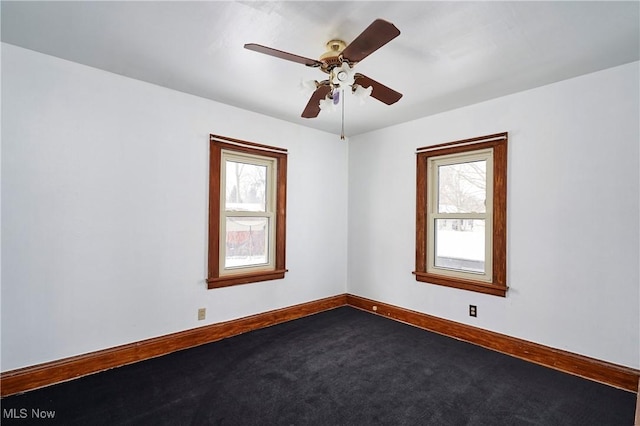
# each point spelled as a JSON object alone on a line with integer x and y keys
{"x": 320, "y": 213}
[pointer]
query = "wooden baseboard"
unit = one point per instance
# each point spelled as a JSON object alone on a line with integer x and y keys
{"x": 28, "y": 378}
{"x": 637, "y": 421}
{"x": 585, "y": 367}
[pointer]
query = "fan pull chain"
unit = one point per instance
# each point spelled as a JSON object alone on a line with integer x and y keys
{"x": 342, "y": 130}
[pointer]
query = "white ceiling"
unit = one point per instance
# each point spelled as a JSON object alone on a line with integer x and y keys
{"x": 448, "y": 55}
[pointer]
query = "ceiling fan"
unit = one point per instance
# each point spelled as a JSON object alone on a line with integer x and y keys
{"x": 338, "y": 62}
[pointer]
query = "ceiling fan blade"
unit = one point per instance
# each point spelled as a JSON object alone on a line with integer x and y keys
{"x": 380, "y": 91}
{"x": 313, "y": 106}
{"x": 376, "y": 35}
{"x": 282, "y": 55}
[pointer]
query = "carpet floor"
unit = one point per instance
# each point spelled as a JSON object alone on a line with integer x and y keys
{"x": 340, "y": 367}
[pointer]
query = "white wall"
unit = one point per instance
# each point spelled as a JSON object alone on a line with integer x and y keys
{"x": 573, "y": 215}
{"x": 104, "y": 210}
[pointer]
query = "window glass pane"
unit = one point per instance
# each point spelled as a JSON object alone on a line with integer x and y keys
{"x": 247, "y": 241}
{"x": 246, "y": 187}
{"x": 462, "y": 187}
{"x": 459, "y": 244}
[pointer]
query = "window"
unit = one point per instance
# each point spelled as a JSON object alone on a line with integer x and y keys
{"x": 461, "y": 205}
{"x": 247, "y": 212}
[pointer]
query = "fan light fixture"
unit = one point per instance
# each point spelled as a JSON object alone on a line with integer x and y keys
{"x": 341, "y": 79}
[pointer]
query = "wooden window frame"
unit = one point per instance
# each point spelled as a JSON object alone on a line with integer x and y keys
{"x": 216, "y": 279}
{"x": 498, "y": 143}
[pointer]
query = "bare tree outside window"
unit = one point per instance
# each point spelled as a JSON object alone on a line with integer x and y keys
{"x": 246, "y": 188}
{"x": 462, "y": 188}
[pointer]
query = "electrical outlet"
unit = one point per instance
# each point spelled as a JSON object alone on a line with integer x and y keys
{"x": 202, "y": 314}
{"x": 473, "y": 311}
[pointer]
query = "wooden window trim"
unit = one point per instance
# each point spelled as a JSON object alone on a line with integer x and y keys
{"x": 216, "y": 145}
{"x": 498, "y": 284}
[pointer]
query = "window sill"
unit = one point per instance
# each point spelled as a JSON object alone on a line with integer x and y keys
{"x": 477, "y": 286}
{"x": 229, "y": 280}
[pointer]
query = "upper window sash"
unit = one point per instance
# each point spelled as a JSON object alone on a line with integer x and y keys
{"x": 267, "y": 201}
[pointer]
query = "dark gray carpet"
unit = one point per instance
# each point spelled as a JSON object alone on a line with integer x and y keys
{"x": 341, "y": 367}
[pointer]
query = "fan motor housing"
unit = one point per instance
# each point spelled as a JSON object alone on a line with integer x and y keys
{"x": 333, "y": 56}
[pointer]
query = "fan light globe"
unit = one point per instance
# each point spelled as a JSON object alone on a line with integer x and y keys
{"x": 307, "y": 87}
{"x": 362, "y": 93}
{"x": 326, "y": 104}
